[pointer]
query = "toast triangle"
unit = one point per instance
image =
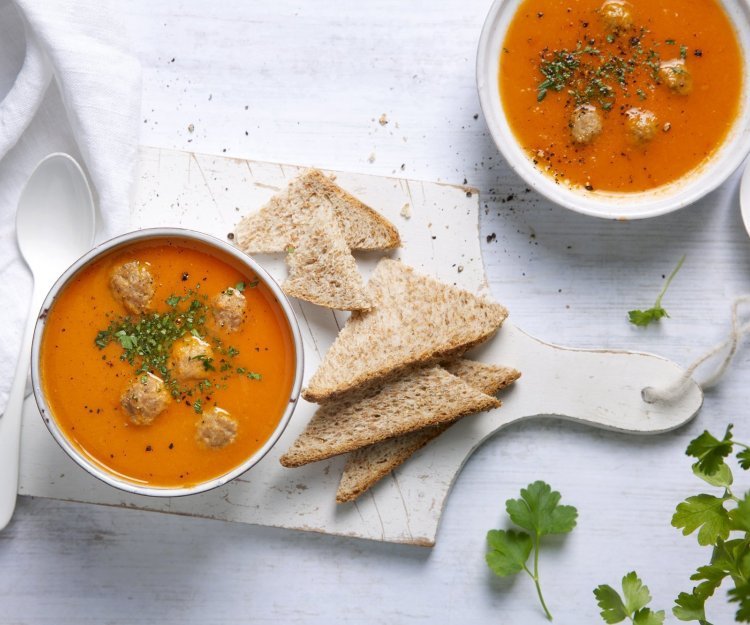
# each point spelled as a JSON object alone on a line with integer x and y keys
{"x": 322, "y": 270}
{"x": 425, "y": 397}
{"x": 415, "y": 321}
{"x": 367, "y": 466}
{"x": 281, "y": 222}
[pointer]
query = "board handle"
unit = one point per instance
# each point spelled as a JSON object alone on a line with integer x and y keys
{"x": 602, "y": 388}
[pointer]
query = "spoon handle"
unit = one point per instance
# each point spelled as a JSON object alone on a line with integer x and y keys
{"x": 10, "y": 421}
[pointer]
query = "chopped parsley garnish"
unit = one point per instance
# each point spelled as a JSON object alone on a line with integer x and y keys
{"x": 208, "y": 363}
{"x": 147, "y": 340}
{"x": 559, "y": 70}
{"x": 593, "y": 74}
{"x": 251, "y": 375}
{"x": 198, "y": 406}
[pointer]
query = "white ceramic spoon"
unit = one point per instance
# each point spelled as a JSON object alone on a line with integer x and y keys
{"x": 54, "y": 226}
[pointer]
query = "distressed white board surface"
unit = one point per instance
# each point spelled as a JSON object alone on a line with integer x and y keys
{"x": 210, "y": 193}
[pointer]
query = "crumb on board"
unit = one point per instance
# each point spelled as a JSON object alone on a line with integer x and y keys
{"x": 371, "y": 158}
{"x": 191, "y": 128}
{"x": 383, "y": 119}
{"x": 406, "y": 211}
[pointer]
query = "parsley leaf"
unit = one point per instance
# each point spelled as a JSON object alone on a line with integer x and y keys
{"x": 240, "y": 286}
{"x": 611, "y": 604}
{"x": 722, "y": 478}
{"x": 643, "y": 318}
{"x": 744, "y": 458}
{"x": 637, "y": 596}
{"x": 128, "y": 341}
{"x": 539, "y": 512}
{"x": 710, "y": 451}
{"x": 690, "y": 607}
{"x": 740, "y": 516}
{"x": 509, "y": 551}
{"x": 706, "y": 512}
{"x": 710, "y": 578}
{"x": 729, "y": 556}
{"x": 636, "y": 593}
{"x": 741, "y": 594}
{"x": 646, "y": 616}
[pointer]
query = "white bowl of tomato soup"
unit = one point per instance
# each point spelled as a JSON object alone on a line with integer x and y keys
{"x": 166, "y": 362}
{"x": 622, "y": 109}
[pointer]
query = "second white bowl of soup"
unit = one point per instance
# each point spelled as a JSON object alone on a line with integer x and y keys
{"x": 614, "y": 108}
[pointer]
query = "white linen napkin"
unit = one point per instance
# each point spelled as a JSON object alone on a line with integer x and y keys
{"x": 67, "y": 84}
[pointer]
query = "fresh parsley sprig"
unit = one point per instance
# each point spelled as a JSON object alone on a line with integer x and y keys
{"x": 723, "y": 522}
{"x": 631, "y": 605}
{"x": 645, "y": 317}
{"x": 537, "y": 511}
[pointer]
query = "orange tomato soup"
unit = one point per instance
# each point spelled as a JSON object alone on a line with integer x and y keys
{"x": 676, "y": 63}
{"x": 86, "y": 368}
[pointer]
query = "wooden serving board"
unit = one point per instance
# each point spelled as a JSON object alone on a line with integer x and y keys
{"x": 210, "y": 193}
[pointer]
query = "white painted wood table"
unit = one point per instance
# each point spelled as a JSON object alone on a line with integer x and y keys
{"x": 307, "y": 83}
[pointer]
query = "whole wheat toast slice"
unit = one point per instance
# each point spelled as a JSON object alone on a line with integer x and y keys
{"x": 322, "y": 270}
{"x": 425, "y": 397}
{"x": 415, "y": 321}
{"x": 281, "y": 222}
{"x": 367, "y": 466}
{"x": 485, "y": 377}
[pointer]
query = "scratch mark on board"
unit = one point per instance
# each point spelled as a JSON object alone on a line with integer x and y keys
{"x": 380, "y": 518}
{"x": 205, "y": 181}
{"x": 260, "y": 185}
{"x": 312, "y": 334}
{"x": 359, "y": 512}
{"x": 408, "y": 190}
{"x": 403, "y": 503}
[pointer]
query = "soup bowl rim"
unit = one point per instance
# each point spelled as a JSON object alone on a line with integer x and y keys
{"x": 211, "y": 245}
